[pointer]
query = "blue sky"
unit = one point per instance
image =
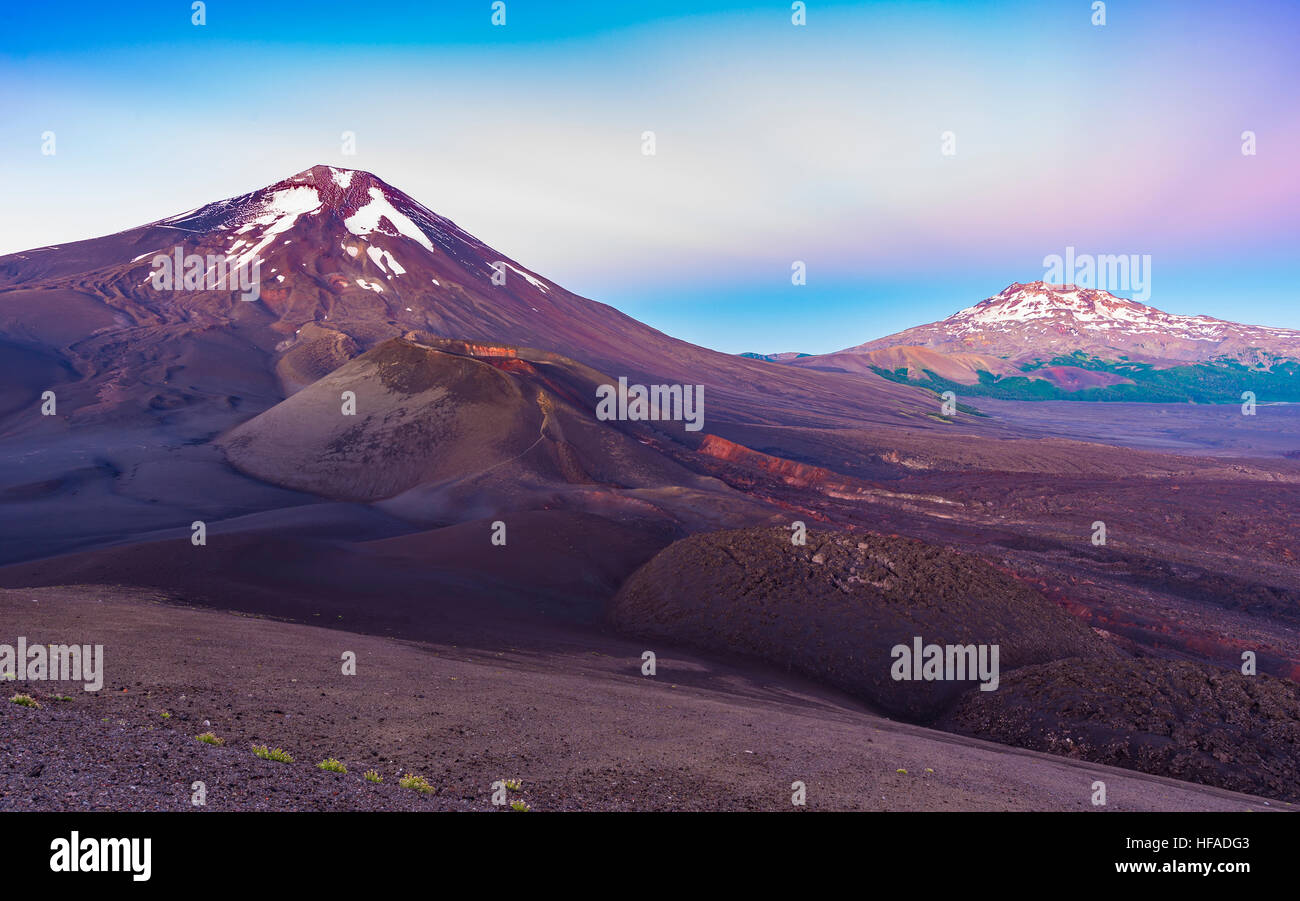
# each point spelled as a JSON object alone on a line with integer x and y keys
{"x": 774, "y": 143}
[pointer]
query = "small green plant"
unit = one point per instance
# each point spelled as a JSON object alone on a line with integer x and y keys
{"x": 373, "y": 776}
{"x": 209, "y": 739}
{"x": 520, "y": 805}
{"x": 419, "y": 783}
{"x": 61, "y": 698}
{"x": 514, "y": 784}
{"x": 332, "y": 765}
{"x": 25, "y": 701}
{"x": 276, "y": 754}
{"x": 166, "y": 715}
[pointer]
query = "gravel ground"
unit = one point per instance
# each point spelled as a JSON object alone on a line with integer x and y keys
{"x": 567, "y": 713}
{"x": 64, "y": 760}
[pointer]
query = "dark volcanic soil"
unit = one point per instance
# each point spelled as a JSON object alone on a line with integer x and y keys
{"x": 568, "y": 714}
{"x": 833, "y": 608}
{"x": 59, "y": 759}
{"x": 1158, "y": 716}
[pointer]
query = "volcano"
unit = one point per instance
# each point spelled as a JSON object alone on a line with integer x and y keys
{"x": 192, "y": 400}
{"x": 1039, "y": 341}
{"x": 1039, "y": 321}
{"x": 347, "y": 261}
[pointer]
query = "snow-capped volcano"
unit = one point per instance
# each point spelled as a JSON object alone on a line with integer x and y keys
{"x": 366, "y": 207}
{"x": 344, "y": 262}
{"x": 1039, "y": 321}
{"x": 332, "y": 246}
{"x": 1086, "y": 309}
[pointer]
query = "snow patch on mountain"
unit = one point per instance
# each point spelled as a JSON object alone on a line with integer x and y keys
{"x": 369, "y": 218}
{"x": 539, "y": 285}
{"x": 1087, "y": 309}
{"x": 380, "y": 256}
{"x": 278, "y": 215}
{"x": 342, "y": 177}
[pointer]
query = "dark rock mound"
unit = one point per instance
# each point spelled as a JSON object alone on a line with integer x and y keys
{"x": 835, "y": 608}
{"x": 1184, "y": 720}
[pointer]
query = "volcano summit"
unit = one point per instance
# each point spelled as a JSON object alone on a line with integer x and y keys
{"x": 347, "y": 261}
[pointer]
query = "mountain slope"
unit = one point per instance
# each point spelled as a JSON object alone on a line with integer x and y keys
{"x": 957, "y": 367}
{"x": 440, "y": 414}
{"x": 346, "y": 262}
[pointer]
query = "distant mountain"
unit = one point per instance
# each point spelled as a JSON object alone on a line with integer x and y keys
{"x": 1040, "y": 342}
{"x": 1038, "y": 321}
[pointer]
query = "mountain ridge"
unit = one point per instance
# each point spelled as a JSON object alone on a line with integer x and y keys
{"x": 1037, "y": 320}
{"x": 1039, "y": 341}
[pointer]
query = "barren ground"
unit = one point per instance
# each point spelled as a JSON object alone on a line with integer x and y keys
{"x": 566, "y": 711}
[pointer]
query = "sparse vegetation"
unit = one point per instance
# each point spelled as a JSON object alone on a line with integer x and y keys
{"x": 514, "y": 785}
{"x": 166, "y": 715}
{"x": 209, "y": 738}
{"x": 419, "y": 783}
{"x": 332, "y": 765}
{"x": 61, "y": 698}
{"x": 1219, "y": 381}
{"x": 520, "y": 805}
{"x": 373, "y": 776}
{"x": 25, "y": 701}
{"x": 275, "y": 754}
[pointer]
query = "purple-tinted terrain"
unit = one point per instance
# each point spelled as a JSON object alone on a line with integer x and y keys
{"x": 396, "y": 446}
